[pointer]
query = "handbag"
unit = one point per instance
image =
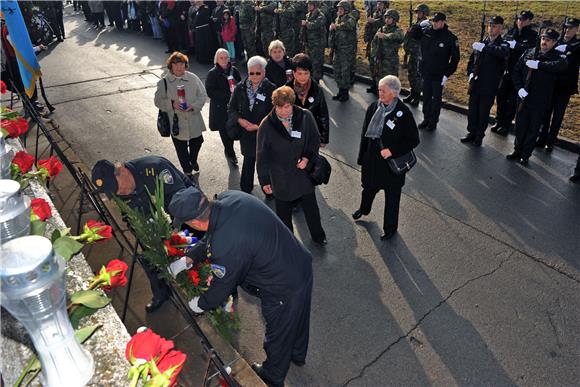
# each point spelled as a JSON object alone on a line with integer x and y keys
{"x": 163, "y": 125}
{"x": 402, "y": 164}
{"x": 320, "y": 170}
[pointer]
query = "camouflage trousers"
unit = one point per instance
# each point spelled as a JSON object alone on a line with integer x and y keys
{"x": 343, "y": 65}
{"x": 287, "y": 37}
{"x": 316, "y": 54}
{"x": 266, "y": 38}
{"x": 414, "y": 72}
{"x": 249, "y": 40}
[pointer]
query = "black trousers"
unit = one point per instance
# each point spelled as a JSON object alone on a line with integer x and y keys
{"x": 287, "y": 332}
{"x": 478, "y": 114}
{"x": 554, "y": 118}
{"x": 187, "y": 152}
{"x": 507, "y": 102}
{"x": 227, "y": 142}
{"x": 528, "y": 123}
{"x": 99, "y": 19}
{"x": 432, "y": 94}
{"x": 159, "y": 288}
{"x": 577, "y": 169}
{"x": 59, "y": 21}
{"x": 392, "y": 201}
{"x": 247, "y": 175}
{"x": 108, "y": 10}
{"x": 311, "y": 213}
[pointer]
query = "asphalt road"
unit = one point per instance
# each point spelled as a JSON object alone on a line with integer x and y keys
{"x": 480, "y": 287}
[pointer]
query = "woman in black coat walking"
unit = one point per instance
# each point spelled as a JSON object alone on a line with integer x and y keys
{"x": 279, "y": 68}
{"x": 219, "y": 85}
{"x": 389, "y": 130}
{"x": 251, "y": 101}
{"x": 309, "y": 95}
{"x": 288, "y": 139}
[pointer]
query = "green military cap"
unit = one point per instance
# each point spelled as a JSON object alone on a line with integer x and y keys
{"x": 393, "y": 13}
{"x": 422, "y": 8}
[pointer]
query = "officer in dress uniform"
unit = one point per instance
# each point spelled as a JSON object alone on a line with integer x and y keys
{"x": 251, "y": 247}
{"x": 130, "y": 182}
{"x": 412, "y": 46}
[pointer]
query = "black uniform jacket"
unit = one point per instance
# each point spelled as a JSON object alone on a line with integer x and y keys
{"x": 525, "y": 39}
{"x": 239, "y": 107}
{"x": 251, "y": 247}
{"x": 277, "y": 74}
{"x": 278, "y": 153}
{"x": 492, "y": 63}
{"x": 440, "y": 53}
{"x": 316, "y": 103}
{"x": 145, "y": 171}
{"x": 400, "y": 140}
{"x": 543, "y": 80}
{"x": 567, "y": 82}
{"x": 218, "y": 90}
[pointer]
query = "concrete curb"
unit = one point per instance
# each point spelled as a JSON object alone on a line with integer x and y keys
{"x": 561, "y": 142}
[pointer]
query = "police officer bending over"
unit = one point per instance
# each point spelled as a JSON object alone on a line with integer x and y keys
{"x": 128, "y": 181}
{"x": 251, "y": 247}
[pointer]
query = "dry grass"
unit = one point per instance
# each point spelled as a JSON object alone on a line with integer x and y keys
{"x": 464, "y": 20}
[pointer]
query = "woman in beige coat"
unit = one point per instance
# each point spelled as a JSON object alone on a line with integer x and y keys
{"x": 187, "y": 138}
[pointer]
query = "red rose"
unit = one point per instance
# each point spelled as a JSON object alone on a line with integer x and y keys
{"x": 2, "y": 87}
{"x": 170, "y": 250}
{"x": 23, "y": 160}
{"x": 97, "y": 231}
{"x": 177, "y": 239}
{"x": 52, "y": 165}
{"x": 14, "y": 128}
{"x": 172, "y": 359}
{"x": 40, "y": 208}
{"x": 147, "y": 345}
{"x": 114, "y": 274}
{"x": 194, "y": 277}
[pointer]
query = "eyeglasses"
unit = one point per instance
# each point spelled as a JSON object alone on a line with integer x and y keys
{"x": 258, "y": 73}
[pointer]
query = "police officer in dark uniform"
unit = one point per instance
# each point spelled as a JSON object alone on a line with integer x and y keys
{"x": 485, "y": 68}
{"x": 534, "y": 77}
{"x": 252, "y": 248}
{"x": 440, "y": 56}
{"x": 566, "y": 85}
{"x": 130, "y": 182}
{"x": 520, "y": 38}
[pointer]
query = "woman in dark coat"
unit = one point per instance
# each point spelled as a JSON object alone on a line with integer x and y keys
{"x": 205, "y": 39}
{"x": 287, "y": 140}
{"x": 279, "y": 68}
{"x": 250, "y": 103}
{"x": 389, "y": 130}
{"x": 309, "y": 95}
{"x": 219, "y": 84}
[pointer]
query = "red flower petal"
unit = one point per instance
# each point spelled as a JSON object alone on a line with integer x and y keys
{"x": 147, "y": 345}
{"x": 41, "y": 208}
{"x": 15, "y": 127}
{"x": 118, "y": 279}
{"x": 23, "y": 160}
{"x": 52, "y": 165}
{"x": 2, "y": 87}
{"x": 170, "y": 360}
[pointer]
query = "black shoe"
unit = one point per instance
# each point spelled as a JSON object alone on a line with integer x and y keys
{"x": 415, "y": 101}
{"x": 344, "y": 97}
{"x": 431, "y": 127}
{"x": 503, "y": 131}
{"x": 574, "y": 178}
{"x": 259, "y": 370}
{"x": 321, "y": 242}
{"x": 388, "y": 235}
{"x": 513, "y": 156}
{"x": 467, "y": 139}
{"x": 337, "y": 96}
{"x": 495, "y": 128}
{"x": 298, "y": 363}
{"x": 477, "y": 142}
{"x": 155, "y": 304}
{"x": 523, "y": 161}
{"x": 409, "y": 98}
{"x": 549, "y": 148}
{"x": 195, "y": 167}
{"x": 357, "y": 214}
{"x": 540, "y": 144}
{"x": 232, "y": 159}
{"x": 423, "y": 124}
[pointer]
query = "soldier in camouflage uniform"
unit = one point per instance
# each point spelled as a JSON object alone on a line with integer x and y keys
{"x": 313, "y": 38}
{"x": 300, "y": 9}
{"x": 341, "y": 42}
{"x": 248, "y": 26}
{"x": 412, "y": 46}
{"x": 385, "y": 47}
{"x": 355, "y": 13}
{"x": 265, "y": 10}
{"x": 329, "y": 11}
{"x": 287, "y": 14}
{"x": 374, "y": 22}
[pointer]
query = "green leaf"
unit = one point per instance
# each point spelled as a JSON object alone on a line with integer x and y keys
{"x": 55, "y": 235}
{"x": 80, "y": 312}
{"x": 90, "y": 298}
{"x": 66, "y": 247}
{"x": 85, "y": 333}
{"x": 37, "y": 227}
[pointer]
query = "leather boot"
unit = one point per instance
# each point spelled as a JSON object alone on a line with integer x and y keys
{"x": 338, "y": 95}
{"x": 344, "y": 97}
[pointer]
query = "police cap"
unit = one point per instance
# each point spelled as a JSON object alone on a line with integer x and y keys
{"x": 187, "y": 204}
{"x": 551, "y": 33}
{"x": 422, "y": 8}
{"x": 527, "y": 14}
{"x": 438, "y": 16}
{"x": 572, "y": 22}
{"x": 496, "y": 20}
{"x": 393, "y": 13}
{"x": 103, "y": 177}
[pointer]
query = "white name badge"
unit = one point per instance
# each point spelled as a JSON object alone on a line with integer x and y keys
{"x": 390, "y": 124}
{"x": 261, "y": 97}
{"x": 295, "y": 134}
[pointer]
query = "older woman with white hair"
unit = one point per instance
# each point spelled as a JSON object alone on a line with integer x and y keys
{"x": 279, "y": 68}
{"x": 389, "y": 131}
{"x": 219, "y": 85}
{"x": 251, "y": 101}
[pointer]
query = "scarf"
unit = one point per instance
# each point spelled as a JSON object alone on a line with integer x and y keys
{"x": 375, "y": 129}
{"x": 286, "y": 122}
{"x": 302, "y": 90}
{"x": 252, "y": 93}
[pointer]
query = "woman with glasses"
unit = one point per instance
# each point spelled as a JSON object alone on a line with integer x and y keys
{"x": 251, "y": 101}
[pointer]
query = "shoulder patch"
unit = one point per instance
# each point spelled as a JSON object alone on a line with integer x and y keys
{"x": 166, "y": 176}
{"x": 218, "y": 271}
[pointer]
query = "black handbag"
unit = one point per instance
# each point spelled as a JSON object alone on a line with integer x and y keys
{"x": 163, "y": 125}
{"x": 402, "y": 164}
{"x": 320, "y": 170}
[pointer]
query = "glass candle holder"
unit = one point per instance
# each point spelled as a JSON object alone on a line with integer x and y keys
{"x": 6, "y": 157}
{"x": 14, "y": 211}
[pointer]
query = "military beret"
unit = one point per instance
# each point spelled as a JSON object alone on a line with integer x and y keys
{"x": 551, "y": 33}
{"x": 526, "y": 15}
{"x": 572, "y": 22}
{"x": 187, "y": 204}
{"x": 103, "y": 177}
{"x": 438, "y": 16}
{"x": 496, "y": 20}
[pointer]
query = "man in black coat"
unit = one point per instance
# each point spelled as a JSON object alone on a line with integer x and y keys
{"x": 566, "y": 85}
{"x": 250, "y": 247}
{"x": 131, "y": 181}
{"x": 534, "y": 77}
{"x": 440, "y": 53}
{"x": 485, "y": 69}
{"x": 520, "y": 38}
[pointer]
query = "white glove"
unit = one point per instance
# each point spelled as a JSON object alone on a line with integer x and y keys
{"x": 512, "y": 43}
{"x": 522, "y": 93}
{"x": 470, "y": 77}
{"x": 477, "y": 46}
{"x": 561, "y": 48}
{"x": 178, "y": 266}
{"x": 443, "y": 80}
{"x": 533, "y": 64}
{"x": 424, "y": 23}
{"x": 193, "y": 305}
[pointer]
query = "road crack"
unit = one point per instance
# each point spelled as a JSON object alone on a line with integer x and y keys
{"x": 433, "y": 309}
